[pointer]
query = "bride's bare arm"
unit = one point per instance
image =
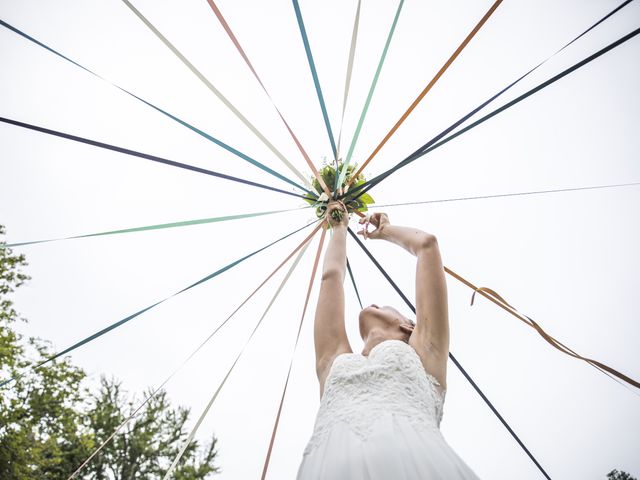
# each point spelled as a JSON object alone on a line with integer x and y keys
{"x": 430, "y": 337}
{"x": 330, "y": 335}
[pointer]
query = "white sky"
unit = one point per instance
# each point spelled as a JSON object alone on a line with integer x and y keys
{"x": 569, "y": 260}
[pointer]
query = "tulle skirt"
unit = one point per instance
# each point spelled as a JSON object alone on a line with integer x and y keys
{"x": 393, "y": 450}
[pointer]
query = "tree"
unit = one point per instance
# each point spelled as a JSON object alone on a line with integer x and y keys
{"x": 50, "y": 422}
{"x": 149, "y": 442}
{"x": 616, "y": 475}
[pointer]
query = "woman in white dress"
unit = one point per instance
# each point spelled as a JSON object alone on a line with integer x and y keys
{"x": 380, "y": 410}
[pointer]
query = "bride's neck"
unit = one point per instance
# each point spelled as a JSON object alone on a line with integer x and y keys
{"x": 374, "y": 338}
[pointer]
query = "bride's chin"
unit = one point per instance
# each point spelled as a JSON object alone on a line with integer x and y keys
{"x": 364, "y": 321}
{"x": 362, "y": 316}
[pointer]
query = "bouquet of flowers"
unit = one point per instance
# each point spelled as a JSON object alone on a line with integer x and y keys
{"x": 329, "y": 176}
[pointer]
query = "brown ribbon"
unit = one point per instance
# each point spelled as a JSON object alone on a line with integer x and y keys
{"x": 428, "y": 87}
{"x": 502, "y": 303}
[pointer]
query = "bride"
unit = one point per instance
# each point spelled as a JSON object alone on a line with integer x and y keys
{"x": 380, "y": 410}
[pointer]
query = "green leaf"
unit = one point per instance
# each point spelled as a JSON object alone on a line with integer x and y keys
{"x": 366, "y": 198}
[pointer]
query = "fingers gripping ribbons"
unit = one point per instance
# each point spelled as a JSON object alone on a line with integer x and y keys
{"x": 337, "y": 215}
{"x": 378, "y": 220}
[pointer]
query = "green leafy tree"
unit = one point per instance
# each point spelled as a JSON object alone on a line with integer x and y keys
{"x": 50, "y": 423}
{"x": 616, "y": 475}
{"x": 149, "y": 442}
{"x": 39, "y": 412}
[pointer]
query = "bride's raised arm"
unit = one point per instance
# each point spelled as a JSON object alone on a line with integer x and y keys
{"x": 430, "y": 337}
{"x": 330, "y": 335}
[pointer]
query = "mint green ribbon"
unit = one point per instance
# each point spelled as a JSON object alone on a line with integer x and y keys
{"x": 119, "y": 323}
{"x": 159, "y": 226}
{"x": 343, "y": 172}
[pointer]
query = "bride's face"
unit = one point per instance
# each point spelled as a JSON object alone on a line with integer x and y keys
{"x": 384, "y": 318}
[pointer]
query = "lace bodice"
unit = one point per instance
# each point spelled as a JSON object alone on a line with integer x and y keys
{"x": 391, "y": 380}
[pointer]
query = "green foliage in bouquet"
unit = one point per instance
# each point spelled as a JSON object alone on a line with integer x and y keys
{"x": 328, "y": 174}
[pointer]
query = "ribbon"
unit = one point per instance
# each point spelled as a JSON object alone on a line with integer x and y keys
{"x": 538, "y": 192}
{"x": 432, "y": 145}
{"x": 295, "y": 346}
{"x": 233, "y": 38}
{"x": 502, "y": 303}
{"x": 453, "y": 359}
{"x": 119, "y": 323}
{"x": 216, "y": 92}
{"x": 224, "y": 380}
{"x": 316, "y": 81}
{"x": 305, "y": 242}
{"x": 353, "y": 282}
{"x": 158, "y": 109}
{"x": 160, "y": 226}
{"x": 430, "y": 84}
{"x": 347, "y": 81}
{"x": 372, "y": 88}
{"x": 145, "y": 156}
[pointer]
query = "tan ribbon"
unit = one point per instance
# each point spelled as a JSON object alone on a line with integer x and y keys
{"x": 428, "y": 87}
{"x": 347, "y": 81}
{"x": 493, "y": 296}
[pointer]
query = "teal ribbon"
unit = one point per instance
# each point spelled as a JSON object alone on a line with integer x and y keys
{"x": 204, "y": 413}
{"x": 314, "y": 74}
{"x": 158, "y": 109}
{"x": 353, "y": 281}
{"x": 119, "y": 323}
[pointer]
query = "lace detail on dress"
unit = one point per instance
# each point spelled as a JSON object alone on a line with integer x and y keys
{"x": 359, "y": 390}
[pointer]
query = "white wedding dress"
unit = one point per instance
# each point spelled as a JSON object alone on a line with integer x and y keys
{"x": 379, "y": 419}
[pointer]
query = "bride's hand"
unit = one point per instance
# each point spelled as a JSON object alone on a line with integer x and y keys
{"x": 379, "y": 220}
{"x": 337, "y": 215}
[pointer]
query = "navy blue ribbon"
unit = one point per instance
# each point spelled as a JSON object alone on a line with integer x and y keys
{"x": 146, "y": 156}
{"x": 432, "y": 145}
{"x": 453, "y": 359}
{"x": 220, "y": 143}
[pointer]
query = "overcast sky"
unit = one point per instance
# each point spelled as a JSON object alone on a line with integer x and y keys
{"x": 568, "y": 260}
